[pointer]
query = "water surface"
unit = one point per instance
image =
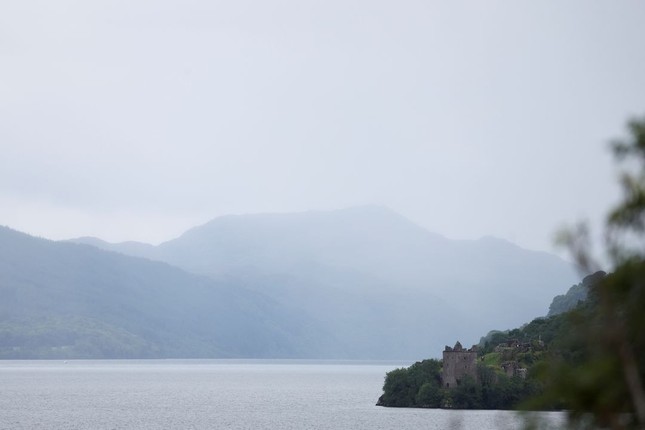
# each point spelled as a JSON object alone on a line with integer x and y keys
{"x": 217, "y": 394}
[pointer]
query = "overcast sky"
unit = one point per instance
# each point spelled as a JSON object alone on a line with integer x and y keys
{"x": 135, "y": 120}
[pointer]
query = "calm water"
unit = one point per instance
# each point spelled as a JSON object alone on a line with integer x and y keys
{"x": 216, "y": 394}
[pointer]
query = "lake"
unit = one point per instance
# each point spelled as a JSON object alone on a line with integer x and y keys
{"x": 218, "y": 394}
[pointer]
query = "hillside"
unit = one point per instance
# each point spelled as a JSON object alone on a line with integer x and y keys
{"x": 68, "y": 300}
{"x": 506, "y": 370}
{"x": 576, "y": 294}
{"x": 386, "y": 287}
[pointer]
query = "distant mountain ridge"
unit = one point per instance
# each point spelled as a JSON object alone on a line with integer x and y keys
{"x": 131, "y": 248}
{"x": 384, "y": 286}
{"x": 64, "y": 300}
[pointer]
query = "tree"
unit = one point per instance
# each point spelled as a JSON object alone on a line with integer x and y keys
{"x": 467, "y": 394}
{"x": 430, "y": 395}
{"x": 397, "y": 390}
{"x": 418, "y": 385}
{"x": 602, "y": 385}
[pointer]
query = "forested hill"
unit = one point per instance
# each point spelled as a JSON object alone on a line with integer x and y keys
{"x": 576, "y": 294}
{"x": 362, "y": 283}
{"x": 385, "y": 286}
{"x": 510, "y": 364}
{"x": 63, "y": 300}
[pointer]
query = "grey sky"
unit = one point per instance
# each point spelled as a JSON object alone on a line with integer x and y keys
{"x": 138, "y": 119}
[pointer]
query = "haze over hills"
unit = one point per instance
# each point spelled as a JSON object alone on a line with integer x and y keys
{"x": 385, "y": 287}
{"x": 63, "y": 300}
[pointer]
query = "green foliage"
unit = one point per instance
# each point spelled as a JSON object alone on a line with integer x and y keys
{"x": 590, "y": 377}
{"x": 70, "y": 337}
{"x": 398, "y": 389}
{"x": 575, "y": 296}
{"x": 420, "y": 386}
{"x": 63, "y": 300}
{"x": 491, "y": 340}
{"x": 599, "y": 379}
{"x": 403, "y": 387}
{"x": 536, "y": 346}
{"x": 587, "y": 357}
{"x": 491, "y": 359}
{"x": 430, "y": 395}
{"x": 467, "y": 394}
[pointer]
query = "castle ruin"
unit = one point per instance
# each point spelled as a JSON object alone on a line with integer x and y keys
{"x": 457, "y": 363}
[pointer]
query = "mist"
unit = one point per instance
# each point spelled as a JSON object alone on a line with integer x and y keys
{"x": 132, "y": 121}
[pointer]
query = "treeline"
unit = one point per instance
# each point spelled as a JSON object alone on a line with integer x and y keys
{"x": 69, "y": 337}
{"x": 420, "y": 386}
{"x": 591, "y": 360}
{"x": 575, "y": 296}
{"x": 572, "y": 359}
{"x": 534, "y": 347}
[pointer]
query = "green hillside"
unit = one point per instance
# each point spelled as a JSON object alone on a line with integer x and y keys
{"x": 509, "y": 370}
{"x": 576, "y": 294}
{"x": 588, "y": 356}
{"x": 64, "y": 300}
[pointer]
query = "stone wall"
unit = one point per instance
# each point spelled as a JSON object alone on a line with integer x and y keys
{"x": 457, "y": 363}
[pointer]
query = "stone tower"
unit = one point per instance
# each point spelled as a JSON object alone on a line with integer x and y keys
{"x": 457, "y": 363}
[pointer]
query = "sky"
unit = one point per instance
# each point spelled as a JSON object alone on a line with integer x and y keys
{"x": 136, "y": 120}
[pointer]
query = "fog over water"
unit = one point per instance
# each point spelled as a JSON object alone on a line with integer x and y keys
{"x": 132, "y": 120}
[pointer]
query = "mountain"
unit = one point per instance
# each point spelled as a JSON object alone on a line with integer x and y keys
{"x": 132, "y": 248}
{"x": 386, "y": 287}
{"x": 68, "y": 300}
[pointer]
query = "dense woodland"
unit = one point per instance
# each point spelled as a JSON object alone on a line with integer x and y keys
{"x": 573, "y": 360}
{"x": 588, "y": 356}
{"x": 531, "y": 347}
